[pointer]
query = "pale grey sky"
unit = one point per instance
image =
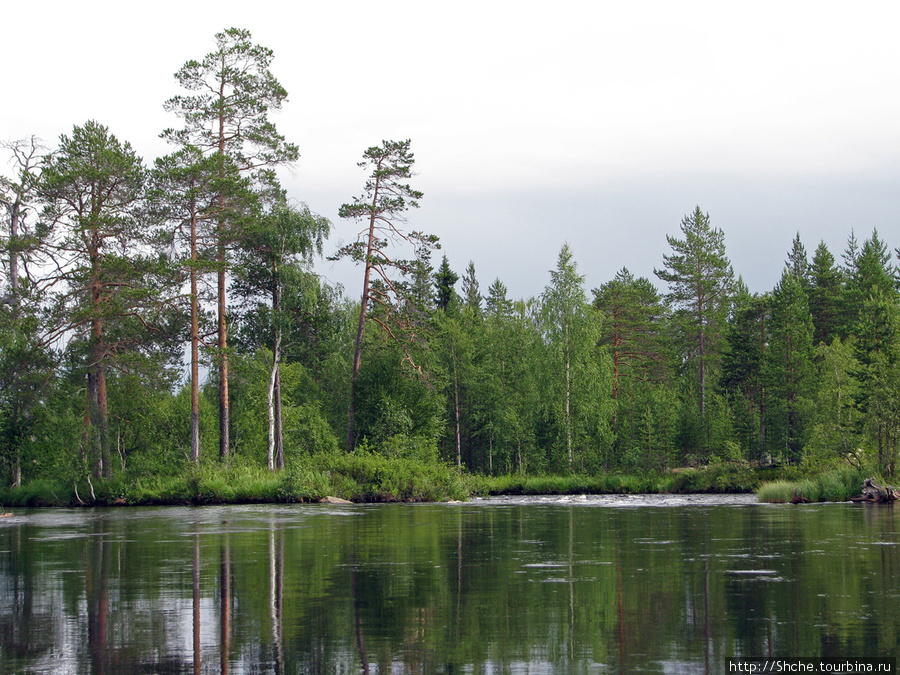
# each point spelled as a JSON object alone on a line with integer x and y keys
{"x": 598, "y": 124}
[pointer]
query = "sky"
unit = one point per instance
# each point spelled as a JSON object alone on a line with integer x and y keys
{"x": 597, "y": 124}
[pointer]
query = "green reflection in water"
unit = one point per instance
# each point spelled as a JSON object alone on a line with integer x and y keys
{"x": 482, "y": 587}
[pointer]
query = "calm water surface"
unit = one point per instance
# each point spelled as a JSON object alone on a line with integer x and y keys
{"x": 540, "y": 585}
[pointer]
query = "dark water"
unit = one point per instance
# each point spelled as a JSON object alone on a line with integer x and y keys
{"x": 575, "y": 585}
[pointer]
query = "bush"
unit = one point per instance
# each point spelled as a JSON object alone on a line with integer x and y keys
{"x": 716, "y": 478}
{"x": 374, "y": 478}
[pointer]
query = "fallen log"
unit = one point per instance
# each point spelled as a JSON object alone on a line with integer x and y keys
{"x": 873, "y": 492}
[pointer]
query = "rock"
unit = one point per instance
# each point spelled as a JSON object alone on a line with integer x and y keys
{"x": 333, "y": 500}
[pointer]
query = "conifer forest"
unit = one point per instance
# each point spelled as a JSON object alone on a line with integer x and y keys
{"x": 162, "y": 320}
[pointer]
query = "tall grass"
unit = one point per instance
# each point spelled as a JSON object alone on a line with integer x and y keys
{"x": 357, "y": 477}
{"x": 838, "y": 485}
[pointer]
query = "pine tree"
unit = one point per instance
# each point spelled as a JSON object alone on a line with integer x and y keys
{"x": 381, "y": 208}
{"x": 105, "y": 300}
{"x": 700, "y": 280}
{"x": 228, "y": 118}
{"x": 633, "y": 315}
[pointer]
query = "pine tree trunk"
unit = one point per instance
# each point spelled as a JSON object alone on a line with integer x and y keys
{"x": 363, "y": 310}
{"x": 224, "y": 408}
{"x": 195, "y": 347}
{"x": 98, "y": 421}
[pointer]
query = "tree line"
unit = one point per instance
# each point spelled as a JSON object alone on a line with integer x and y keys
{"x": 155, "y": 317}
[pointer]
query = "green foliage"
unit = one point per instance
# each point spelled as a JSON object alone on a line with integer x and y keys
{"x": 788, "y": 369}
{"x": 363, "y": 476}
{"x": 574, "y": 484}
{"x": 717, "y": 478}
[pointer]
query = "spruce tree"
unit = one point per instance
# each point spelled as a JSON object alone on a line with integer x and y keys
{"x": 471, "y": 293}
{"x": 825, "y": 295}
{"x": 789, "y": 369}
{"x": 444, "y": 281}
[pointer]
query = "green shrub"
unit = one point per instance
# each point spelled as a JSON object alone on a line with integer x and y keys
{"x": 716, "y": 478}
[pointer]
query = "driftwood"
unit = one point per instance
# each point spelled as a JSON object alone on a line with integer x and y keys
{"x": 798, "y": 497}
{"x": 873, "y": 492}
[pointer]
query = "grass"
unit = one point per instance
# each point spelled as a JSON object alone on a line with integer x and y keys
{"x": 837, "y": 485}
{"x": 356, "y": 477}
{"x": 724, "y": 478}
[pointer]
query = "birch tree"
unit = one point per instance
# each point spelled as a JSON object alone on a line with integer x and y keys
{"x": 271, "y": 253}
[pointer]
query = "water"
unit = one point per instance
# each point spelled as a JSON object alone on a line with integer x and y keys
{"x": 531, "y": 585}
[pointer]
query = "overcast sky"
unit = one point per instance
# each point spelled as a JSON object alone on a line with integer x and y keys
{"x": 600, "y": 124}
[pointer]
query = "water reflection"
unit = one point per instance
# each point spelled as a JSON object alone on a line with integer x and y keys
{"x": 552, "y": 586}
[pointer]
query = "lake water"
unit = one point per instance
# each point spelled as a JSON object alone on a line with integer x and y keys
{"x": 531, "y": 585}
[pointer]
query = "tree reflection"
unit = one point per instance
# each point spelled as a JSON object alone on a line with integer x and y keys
{"x": 440, "y": 588}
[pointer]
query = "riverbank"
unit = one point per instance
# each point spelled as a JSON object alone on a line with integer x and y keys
{"x": 364, "y": 478}
{"x": 369, "y": 478}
